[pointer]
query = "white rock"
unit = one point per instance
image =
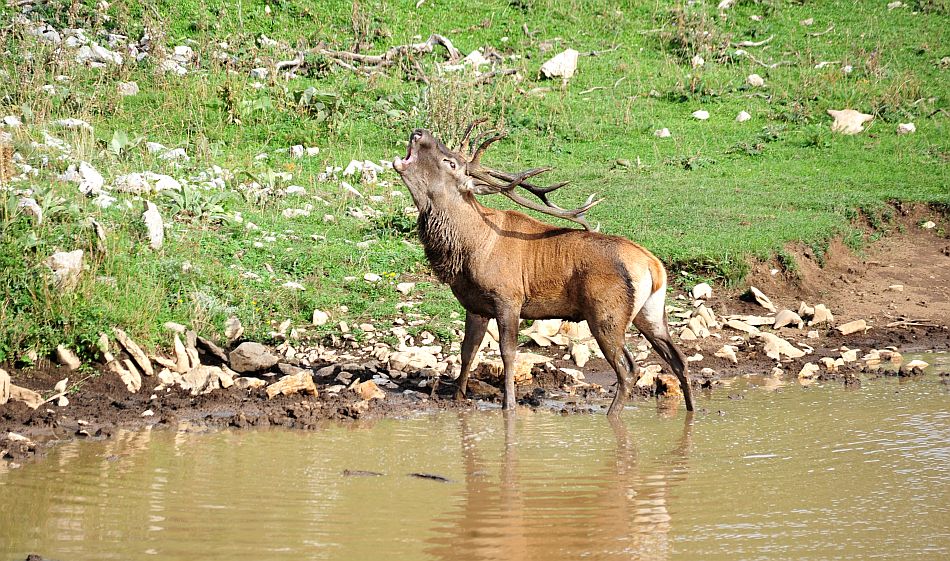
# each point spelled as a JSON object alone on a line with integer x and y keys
{"x": 372, "y": 277}
{"x": 701, "y": 114}
{"x": 728, "y": 352}
{"x": 928, "y": 225}
{"x": 848, "y": 121}
{"x": 233, "y": 329}
{"x": 90, "y": 181}
{"x": 154, "y": 224}
{"x": 73, "y": 124}
{"x": 291, "y": 285}
{"x": 562, "y": 65}
{"x": 476, "y": 59}
{"x": 350, "y": 189}
{"x": 580, "y": 353}
{"x": 809, "y": 370}
{"x": 786, "y": 318}
{"x": 701, "y": 291}
{"x": 31, "y": 207}
{"x": 775, "y": 347}
{"x": 853, "y": 327}
{"x": 67, "y": 358}
{"x": 296, "y": 151}
{"x": 66, "y": 267}
{"x": 894, "y": 5}
{"x": 755, "y": 81}
{"x": 12, "y": 121}
{"x": 662, "y": 133}
{"x": 175, "y": 154}
{"x": 821, "y": 315}
{"x": 4, "y": 386}
{"x": 743, "y": 117}
{"x": 906, "y": 128}
{"x": 127, "y": 89}
{"x": 320, "y": 317}
{"x": 697, "y": 61}
{"x": 762, "y": 299}
{"x": 405, "y": 287}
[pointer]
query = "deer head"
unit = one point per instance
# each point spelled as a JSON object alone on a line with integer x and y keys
{"x": 432, "y": 171}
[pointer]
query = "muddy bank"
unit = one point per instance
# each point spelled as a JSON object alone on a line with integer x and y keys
{"x": 900, "y": 288}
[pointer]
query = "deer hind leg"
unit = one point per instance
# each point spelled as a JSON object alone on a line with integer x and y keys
{"x": 651, "y": 321}
{"x": 508, "y": 343}
{"x": 475, "y": 327}
{"x": 610, "y": 336}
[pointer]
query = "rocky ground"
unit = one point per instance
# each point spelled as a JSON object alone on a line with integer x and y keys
{"x": 850, "y": 320}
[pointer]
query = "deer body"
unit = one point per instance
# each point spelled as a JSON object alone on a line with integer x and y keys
{"x": 508, "y": 266}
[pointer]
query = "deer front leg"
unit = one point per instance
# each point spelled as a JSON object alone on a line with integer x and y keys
{"x": 475, "y": 327}
{"x": 508, "y": 342}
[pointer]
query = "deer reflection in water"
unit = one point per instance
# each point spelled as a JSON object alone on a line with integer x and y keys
{"x": 620, "y": 511}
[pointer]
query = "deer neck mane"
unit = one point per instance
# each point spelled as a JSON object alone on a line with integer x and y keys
{"x": 451, "y": 235}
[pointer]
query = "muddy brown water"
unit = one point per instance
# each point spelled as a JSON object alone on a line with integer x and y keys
{"x": 767, "y": 471}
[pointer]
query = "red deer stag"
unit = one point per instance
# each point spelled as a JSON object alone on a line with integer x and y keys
{"x": 506, "y": 265}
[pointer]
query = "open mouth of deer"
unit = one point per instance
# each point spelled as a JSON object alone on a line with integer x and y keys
{"x": 401, "y": 165}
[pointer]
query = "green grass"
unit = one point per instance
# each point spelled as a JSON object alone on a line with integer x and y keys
{"x": 707, "y": 201}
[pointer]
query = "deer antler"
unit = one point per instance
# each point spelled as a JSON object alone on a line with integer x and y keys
{"x": 505, "y": 183}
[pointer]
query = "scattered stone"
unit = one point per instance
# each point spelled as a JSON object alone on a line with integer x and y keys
{"x": 662, "y": 133}
{"x": 821, "y": 315}
{"x": 128, "y": 373}
{"x": 701, "y": 114}
{"x": 233, "y": 329}
{"x": 372, "y": 277}
{"x": 928, "y": 225}
{"x": 126, "y": 89}
{"x": 154, "y": 224}
{"x": 848, "y": 121}
{"x": 853, "y": 327}
{"x": 775, "y": 347}
{"x": 668, "y": 386}
{"x": 414, "y": 358}
{"x": 728, "y": 352}
{"x": 494, "y": 369}
{"x": 134, "y": 351}
{"x": 67, "y": 358}
{"x": 562, "y": 65}
{"x": 291, "y": 285}
{"x": 648, "y": 376}
{"x": 849, "y": 355}
{"x": 701, "y": 291}
{"x": 742, "y": 326}
{"x": 786, "y": 318}
{"x": 831, "y": 364}
{"x": 761, "y": 299}
{"x": 66, "y": 267}
{"x": 405, "y": 287}
{"x": 182, "y": 362}
{"x": 251, "y": 357}
{"x": 580, "y": 353}
{"x": 5, "y": 385}
{"x": 755, "y": 81}
{"x": 27, "y": 396}
{"x": 174, "y": 327}
{"x": 211, "y": 348}
{"x": 914, "y": 368}
{"x": 368, "y": 390}
{"x": 743, "y": 116}
{"x": 301, "y": 382}
{"x": 906, "y": 128}
{"x": 895, "y": 288}
{"x": 698, "y": 61}
{"x": 686, "y": 335}
{"x": 249, "y": 383}
{"x": 809, "y": 370}
{"x": 320, "y": 317}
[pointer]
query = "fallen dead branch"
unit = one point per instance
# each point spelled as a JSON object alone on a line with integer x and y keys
{"x": 753, "y": 43}
{"x": 820, "y": 33}
{"x": 489, "y": 76}
{"x": 764, "y": 64}
{"x": 601, "y": 52}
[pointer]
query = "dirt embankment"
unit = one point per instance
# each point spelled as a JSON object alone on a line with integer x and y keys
{"x": 900, "y": 286}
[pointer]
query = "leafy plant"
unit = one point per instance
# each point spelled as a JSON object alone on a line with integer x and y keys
{"x": 192, "y": 203}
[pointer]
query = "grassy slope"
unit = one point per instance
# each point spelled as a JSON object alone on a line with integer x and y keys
{"x": 751, "y": 187}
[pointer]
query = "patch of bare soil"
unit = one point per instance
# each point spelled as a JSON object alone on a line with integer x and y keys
{"x": 913, "y": 317}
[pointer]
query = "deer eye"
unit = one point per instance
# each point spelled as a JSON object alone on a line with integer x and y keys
{"x": 451, "y": 163}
